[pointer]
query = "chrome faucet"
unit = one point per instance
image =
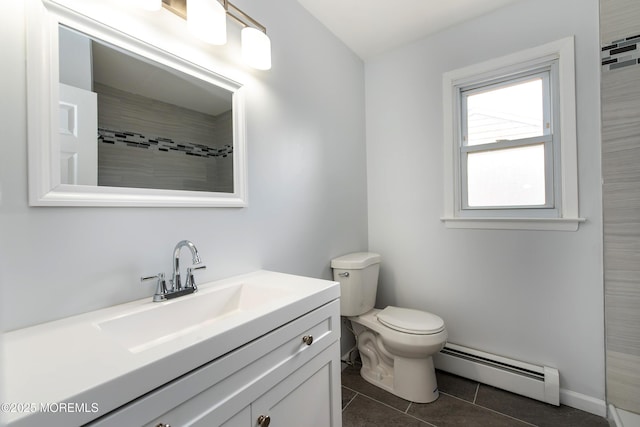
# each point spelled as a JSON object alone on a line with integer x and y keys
{"x": 176, "y": 281}
{"x": 176, "y": 289}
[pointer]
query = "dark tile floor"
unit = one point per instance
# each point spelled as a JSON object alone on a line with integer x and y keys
{"x": 462, "y": 402}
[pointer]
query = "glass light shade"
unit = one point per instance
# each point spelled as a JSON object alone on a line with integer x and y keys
{"x": 256, "y": 48}
{"x": 149, "y": 4}
{"x": 207, "y": 20}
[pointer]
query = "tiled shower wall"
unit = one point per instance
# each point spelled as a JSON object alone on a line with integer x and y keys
{"x": 620, "y": 97}
{"x": 145, "y": 143}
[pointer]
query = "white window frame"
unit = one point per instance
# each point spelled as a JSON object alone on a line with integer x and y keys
{"x": 561, "y": 213}
{"x": 549, "y": 75}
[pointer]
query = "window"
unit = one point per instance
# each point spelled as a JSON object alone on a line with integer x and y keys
{"x": 507, "y": 147}
{"x": 510, "y": 146}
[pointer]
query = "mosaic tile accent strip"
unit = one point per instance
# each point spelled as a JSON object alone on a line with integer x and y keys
{"x": 621, "y": 53}
{"x": 137, "y": 140}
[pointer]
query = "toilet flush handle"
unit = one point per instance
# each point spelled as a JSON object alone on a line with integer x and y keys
{"x": 344, "y": 274}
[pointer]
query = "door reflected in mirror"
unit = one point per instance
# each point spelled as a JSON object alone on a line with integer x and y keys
{"x": 126, "y": 121}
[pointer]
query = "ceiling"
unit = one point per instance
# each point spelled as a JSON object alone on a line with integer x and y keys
{"x": 135, "y": 75}
{"x": 370, "y": 27}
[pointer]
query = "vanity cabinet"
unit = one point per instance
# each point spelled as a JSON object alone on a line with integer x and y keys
{"x": 287, "y": 377}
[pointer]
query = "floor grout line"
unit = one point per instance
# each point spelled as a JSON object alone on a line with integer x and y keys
{"x": 351, "y": 400}
{"x": 411, "y": 405}
{"x": 488, "y": 409}
{"x": 388, "y": 406}
{"x": 375, "y": 400}
{"x": 357, "y": 393}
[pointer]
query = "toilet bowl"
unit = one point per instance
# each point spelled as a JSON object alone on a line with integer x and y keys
{"x": 395, "y": 344}
{"x": 397, "y": 360}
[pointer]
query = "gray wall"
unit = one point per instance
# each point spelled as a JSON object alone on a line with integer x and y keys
{"x": 621, "y": 172}
{"x": 307, "y": 183}
{"x": 122, "y": 165}
{"x": 529, "y": 295}
{"x": 124, "y": 111}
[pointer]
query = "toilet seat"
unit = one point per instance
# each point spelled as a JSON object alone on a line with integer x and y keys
{"x": 410, "y": 321}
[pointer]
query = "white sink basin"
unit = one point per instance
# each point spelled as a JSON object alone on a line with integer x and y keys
{"x": 116, "y": 354}
{"x": 157, "y": 323}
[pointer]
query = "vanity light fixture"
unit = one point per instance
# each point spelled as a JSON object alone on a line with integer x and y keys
{"x": 206, "y": 19}
{"x": 256, "y": 48}
{"x": 152, "y": 5}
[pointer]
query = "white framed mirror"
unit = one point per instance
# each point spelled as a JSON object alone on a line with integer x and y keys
{"x": 114, "y": 120}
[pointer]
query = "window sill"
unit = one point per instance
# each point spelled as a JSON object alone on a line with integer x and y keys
{"x": 546, "y": 224}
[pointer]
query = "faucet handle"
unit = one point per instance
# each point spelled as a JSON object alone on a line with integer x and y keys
{"x": 191, "y": 281}
{"x": 161, "y": 288}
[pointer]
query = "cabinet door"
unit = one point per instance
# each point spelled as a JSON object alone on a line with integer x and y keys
{"x": 308, "y": 397}
{"x": 223, "y": 392}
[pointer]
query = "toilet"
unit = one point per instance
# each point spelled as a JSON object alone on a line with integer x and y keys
{"x": 395, "y": 344}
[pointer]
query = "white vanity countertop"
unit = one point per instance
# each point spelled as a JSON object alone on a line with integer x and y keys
{"x": 71, "y": 371}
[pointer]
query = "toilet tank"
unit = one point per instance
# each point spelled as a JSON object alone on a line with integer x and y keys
{"x": 358, "y": 277}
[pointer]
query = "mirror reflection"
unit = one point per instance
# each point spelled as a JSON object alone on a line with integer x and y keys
{"x": 126, "y": 121}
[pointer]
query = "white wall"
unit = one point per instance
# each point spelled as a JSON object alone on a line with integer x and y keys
{"x": 307, "y": 183}
{"x": 530, "y": 295}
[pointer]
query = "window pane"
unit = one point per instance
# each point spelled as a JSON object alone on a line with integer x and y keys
{"x": 508, "y": 112}
{"x": 506, "y": 177}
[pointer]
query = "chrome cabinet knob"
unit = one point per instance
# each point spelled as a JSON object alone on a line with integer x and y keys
{"x": 307, "y": 339}
{"x": 264, "y": 420}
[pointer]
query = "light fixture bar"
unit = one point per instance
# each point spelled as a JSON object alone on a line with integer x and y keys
{"x": 228, "y": 5}
{"x": 179, "y": 7}
{"x": 256, "y": 46}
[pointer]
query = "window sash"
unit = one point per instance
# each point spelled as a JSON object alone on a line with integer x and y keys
{"x": 506, "y": 82}
{"x": 546, "y": 141}
{"x": 548, "y": 74}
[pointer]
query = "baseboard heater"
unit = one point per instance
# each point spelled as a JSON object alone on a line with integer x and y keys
{"x": 537, "y": 382}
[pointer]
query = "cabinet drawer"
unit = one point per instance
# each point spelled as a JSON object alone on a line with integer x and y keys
{"x": 221, "y": 389}
{"x": 288, "y": 404}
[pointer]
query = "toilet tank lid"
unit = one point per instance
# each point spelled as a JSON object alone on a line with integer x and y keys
{"x": 355, "y": 261}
